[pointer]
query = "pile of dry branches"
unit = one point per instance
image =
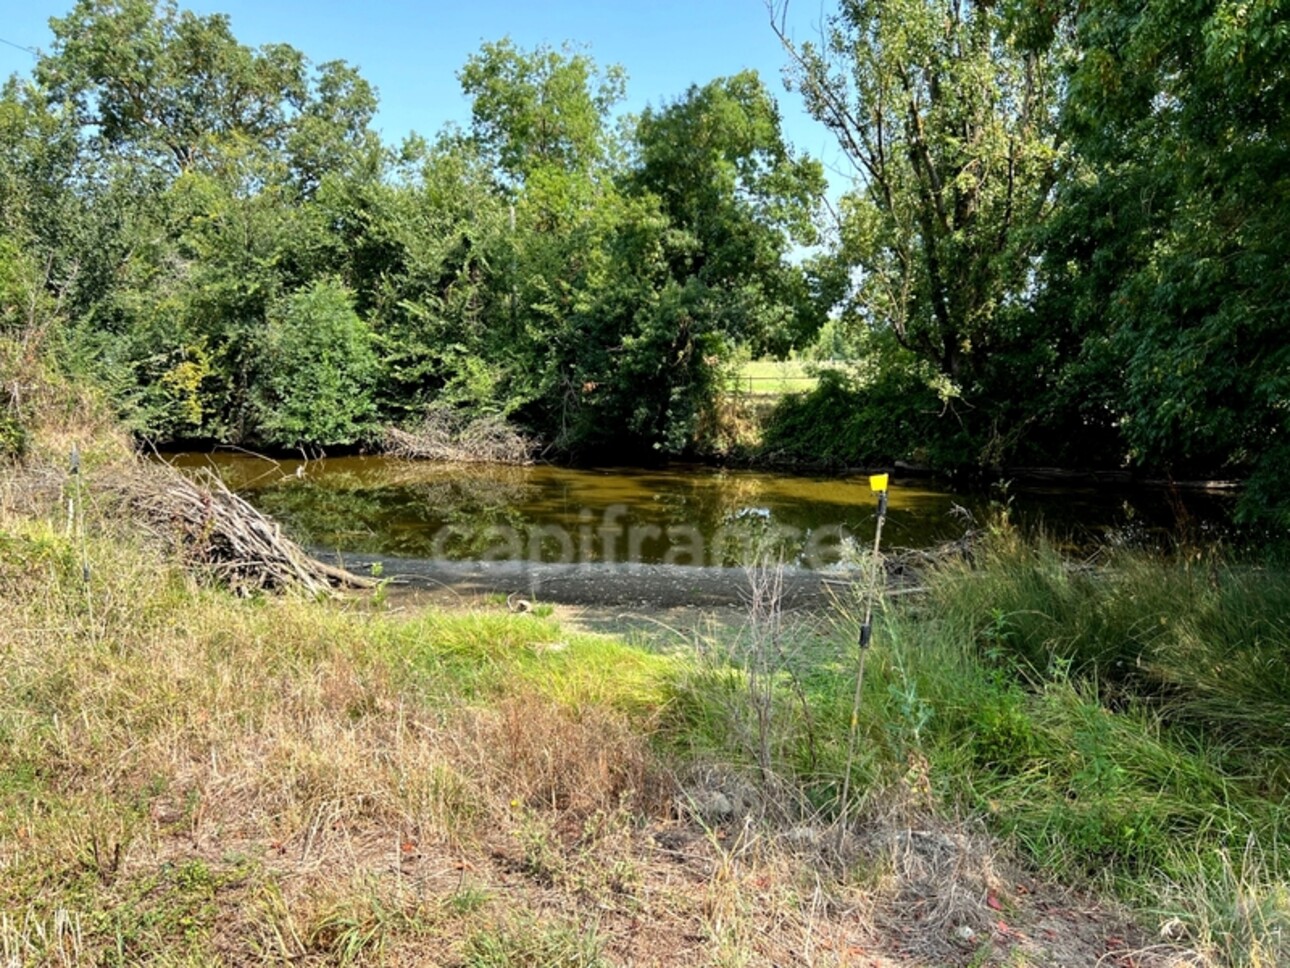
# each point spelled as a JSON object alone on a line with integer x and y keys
{"x": 218, "y": 532}
{"x": 447, "y": 434}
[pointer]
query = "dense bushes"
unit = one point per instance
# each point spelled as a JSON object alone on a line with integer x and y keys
{"x": 270, "y": 273}
{"x": 842, "y": 422}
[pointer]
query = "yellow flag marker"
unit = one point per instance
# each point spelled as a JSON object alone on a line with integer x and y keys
{"x": 878, "y": 482}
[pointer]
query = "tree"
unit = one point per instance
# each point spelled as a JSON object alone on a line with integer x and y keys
{"x": 319, "y": 369}
{"x": 541, "y": 120}
{"x": 167, "y": 85}
{"x": 948, "y": 109}
{"x": 191, "y": 203}
{"x": 718, "y": 164}
{"x": 1173, "y": 259}
{"x": 176, "y": 91}
{"x": 541, "y": 110}
{"x": 429, "y": 255}
{"x": 226, "y": 211}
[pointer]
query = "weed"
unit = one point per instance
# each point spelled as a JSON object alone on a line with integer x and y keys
{"x": 527, "y": 942}
{"x": 468, "y": 900}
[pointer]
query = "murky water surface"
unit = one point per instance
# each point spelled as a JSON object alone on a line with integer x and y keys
{"x": 683, "y": 515}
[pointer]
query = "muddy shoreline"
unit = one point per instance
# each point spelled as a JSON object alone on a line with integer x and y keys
{"x": 600, "y": 585}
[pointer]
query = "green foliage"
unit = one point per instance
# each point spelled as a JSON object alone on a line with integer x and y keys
{"x": 541, "y": 110}
{"x": 318, "y": 387}
{"x": 1122, "y": 723}
{"x": 1169, "y": 260}
{"x": 590, "y": 284}
{"x": 1069, "y": 219}
{"x": 170, "y": 88}
{"x": 13, "y": 435}
{"x": 17, "y": 291}
{"x": 852, "y": 423}
{"x": 1220, "y": 664}
{"x": 950, "y": 123}
{"x": 723, "y": 175}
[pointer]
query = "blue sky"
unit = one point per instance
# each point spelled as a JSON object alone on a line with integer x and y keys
{"x": 411, "y": 51}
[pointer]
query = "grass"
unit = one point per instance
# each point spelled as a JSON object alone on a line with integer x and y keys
{"x": 166, "y": 749}
{"x": 775, "y": 377}
{"x": 1117, "y": 726}
{"x": 1125, "y": 725}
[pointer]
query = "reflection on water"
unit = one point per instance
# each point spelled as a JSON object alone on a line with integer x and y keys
{"x": 685, "y": 515}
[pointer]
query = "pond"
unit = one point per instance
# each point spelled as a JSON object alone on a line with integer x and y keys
{"x": 681, "y": 515}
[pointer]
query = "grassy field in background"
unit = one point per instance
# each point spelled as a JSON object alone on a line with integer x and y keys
{"x": 775, "y": 377}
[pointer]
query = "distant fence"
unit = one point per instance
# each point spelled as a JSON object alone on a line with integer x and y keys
{"x": 773, "y": 385}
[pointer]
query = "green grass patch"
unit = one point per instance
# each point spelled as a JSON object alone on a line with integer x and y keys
{"x": 775, "y": 377}
{"x": 1117, "y": 724}
{"x": 527, "y": 941}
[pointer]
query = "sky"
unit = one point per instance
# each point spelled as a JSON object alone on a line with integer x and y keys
{"x": 411, "y": 51}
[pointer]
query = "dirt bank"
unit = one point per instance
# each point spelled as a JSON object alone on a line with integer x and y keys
{"x": 601, "y": 585}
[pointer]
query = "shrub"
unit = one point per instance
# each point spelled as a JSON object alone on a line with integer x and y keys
{"x": 839, "y": 422}
{"x": 318, "y": 371}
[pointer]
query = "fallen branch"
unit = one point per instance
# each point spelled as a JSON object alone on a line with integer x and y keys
{"x": 449, "y": 435}
{"x": 219, "y": 532}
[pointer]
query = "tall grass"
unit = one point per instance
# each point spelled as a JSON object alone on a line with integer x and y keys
{"x": 1123, "y": 726}
{"x": 1204, "y": 644}
{"x": 1126, "y": 724}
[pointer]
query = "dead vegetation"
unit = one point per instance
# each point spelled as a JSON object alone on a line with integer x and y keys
{"x": 217, "y": 532}
{"x": 64, "y": 455}
{"x": 454, "y": 436}
{"x": 73, "y": 469}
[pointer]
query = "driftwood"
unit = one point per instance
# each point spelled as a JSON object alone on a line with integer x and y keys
{"x": 223, "y": 535}
{"x": 449, "y": 435}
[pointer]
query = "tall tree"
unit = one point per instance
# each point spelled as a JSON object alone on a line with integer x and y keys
{"x": 172, "y": 89}
{"x": 1172, "y": 257}
{"x": 948, "y": 111}
{"x": 717, "y": 161}
{"x": 543, "y": 110}
{"x": 542, "y": 119}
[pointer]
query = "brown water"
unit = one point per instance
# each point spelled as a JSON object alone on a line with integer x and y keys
{"x": 682, "y": 515}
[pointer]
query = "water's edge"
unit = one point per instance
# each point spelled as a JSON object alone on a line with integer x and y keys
{"x": 625, "y": 585}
